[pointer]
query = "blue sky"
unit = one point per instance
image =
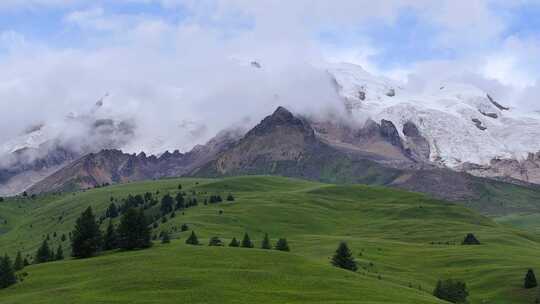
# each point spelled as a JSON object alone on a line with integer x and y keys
{"x": 408, "y": 36}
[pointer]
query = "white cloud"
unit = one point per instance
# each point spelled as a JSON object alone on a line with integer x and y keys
{"x": 169, "y": 75}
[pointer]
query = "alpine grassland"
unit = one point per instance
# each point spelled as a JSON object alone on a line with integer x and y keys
{"x": 403, "y": 244}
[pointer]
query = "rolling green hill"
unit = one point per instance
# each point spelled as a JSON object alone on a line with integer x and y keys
{"x": 404, "y": 242}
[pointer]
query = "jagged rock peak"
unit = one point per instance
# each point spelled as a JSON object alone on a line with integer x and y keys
{"x": 282, "y": 117}
{"x": 282, "y": 114}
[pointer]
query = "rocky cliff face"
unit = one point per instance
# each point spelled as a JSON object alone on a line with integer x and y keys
{"x": 527, "y": 170}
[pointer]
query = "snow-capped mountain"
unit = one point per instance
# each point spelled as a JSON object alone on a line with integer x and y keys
{"x": 463, "y": 124}
{"x": 446, "y": 124}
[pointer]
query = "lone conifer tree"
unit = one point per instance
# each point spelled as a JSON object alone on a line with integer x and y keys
{"x": 180, "y": 202}
{"x": 215, "y": 241}
{"x": 530, "y": 279}
{"x": 234, "y": 243}
{"x": 266, "y": 242}
{"x": 7, "y": 273}
{"x": 246, "y": 242}
{"x": 19, "y": 263}
{"x": 192, "y": 239}
{"x": 343, "y": 258}
{"x": 112, "y": 211}
{"x": 470, "y": 239}
{"x": 59, "y": 253}
{"x": 133, "y": 231}
{"x": 167, "y": 203}
{"x": 43, "y": 253}
{"x": 165, "y": 238}
{"x": 86, "y": 237}
{"x": 110, "y": 240}
{"x": 230, "y": 198}
{"x": 282, "y": 245}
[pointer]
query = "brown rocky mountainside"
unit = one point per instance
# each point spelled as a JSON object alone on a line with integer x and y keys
{"x": 113, "y": 166}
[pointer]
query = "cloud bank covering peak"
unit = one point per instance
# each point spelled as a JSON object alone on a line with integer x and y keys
{"x": 179, "y": 71}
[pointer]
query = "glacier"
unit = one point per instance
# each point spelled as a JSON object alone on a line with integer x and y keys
{"x": 462, "y": 123}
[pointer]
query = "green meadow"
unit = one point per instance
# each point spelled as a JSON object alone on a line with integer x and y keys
{"x": 403, "y": 242}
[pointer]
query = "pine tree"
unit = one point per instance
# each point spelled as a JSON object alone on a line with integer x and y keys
{"x": 44, "y": 253}
{"x": 246, "y": 242}
{"x": 530, "y": 279}
{"x": 215, "y": 241}
{"x": 282, "y": 245}
{"x": 59, "y": 253}
{"x": 133, "y": 231}
{"x": 7, "y": 273}
{"x": 25, "y": 262}
{"x": 165, "y": 238}
{"x": 19, "y": 263}
{"x": 86, "y": 238}
{"x": 192, "y": 239}
{"x": 470, "y": 239}
{"x": 234, "y": 243}
{"x": 230, "y": 198}
{"x": 343, "y": 258}
{"x": 184, "y": 227}
{"x": 167, "y": 203}
{"x": 110, "y": 240}
{"x": 266, "y": 242}
{"x": 180, "y": 202}
{"x": 112, "y": 211}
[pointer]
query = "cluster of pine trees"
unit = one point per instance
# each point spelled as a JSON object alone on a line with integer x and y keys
{"x": 246, "y": 242}
{"x": 452, "y": 291}
{"x": 8, "y": 269}
{"x": 45, "y": 254}
{"x": 133, "y": 232}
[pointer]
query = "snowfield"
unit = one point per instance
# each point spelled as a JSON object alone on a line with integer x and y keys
{"x": 460, "y": 121}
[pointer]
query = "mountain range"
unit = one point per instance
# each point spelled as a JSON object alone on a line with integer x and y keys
{"x": 452, "y": 141}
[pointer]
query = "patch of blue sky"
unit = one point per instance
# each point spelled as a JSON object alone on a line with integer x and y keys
{"x": 406, "y": 40}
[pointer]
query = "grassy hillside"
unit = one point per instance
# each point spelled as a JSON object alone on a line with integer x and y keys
{"x": 403, "y": 242}
{"x": 178, "y": 273}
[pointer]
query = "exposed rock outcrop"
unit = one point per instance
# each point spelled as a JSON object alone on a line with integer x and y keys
{"x": 498, "y": 105}
{"x": 478, "y": 123}
{"x": 527, "y": 170}
{"x": 417, "y": 146}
